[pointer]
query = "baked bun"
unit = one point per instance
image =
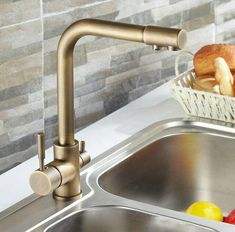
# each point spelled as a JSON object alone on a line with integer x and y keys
{"x": 204, "y": 58}
{"x": 207, "y": 84}
{"x": 224, "y": 77}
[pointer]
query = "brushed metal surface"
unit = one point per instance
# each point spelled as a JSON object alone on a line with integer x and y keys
{"x": 120, "y": 219}
{"x": 66, "y": 146}
{"x": 151, "y": 35}
{"x": 177, "y": 170}
{"x": 153, "y": 175}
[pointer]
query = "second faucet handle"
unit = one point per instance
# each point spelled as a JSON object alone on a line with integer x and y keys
{"x": 41, "y": 150}
{"x": 84, "y": 156}
{"x": 82, "y": 145}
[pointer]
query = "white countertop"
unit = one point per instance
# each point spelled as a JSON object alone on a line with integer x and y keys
{"x": 155, "y": 106}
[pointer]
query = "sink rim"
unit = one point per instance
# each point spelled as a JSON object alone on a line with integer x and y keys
{"x": 94, "y": 195}
{"x": 157, "y": 131}
{"x": 161, "y": 129}
{"x": 127, "y": 208}
{"x": 125, "y": 149}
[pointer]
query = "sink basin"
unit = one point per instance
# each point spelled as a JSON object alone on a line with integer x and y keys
{"x": 177, "y": 170}
{"x": 168, "y": 165}
{"x": 116, "y": 219}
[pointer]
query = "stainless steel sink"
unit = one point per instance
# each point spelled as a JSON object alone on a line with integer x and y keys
{"x": 144, "y": 184}
{"x": 177, "y": 170}
{"x": 120, "y": 219}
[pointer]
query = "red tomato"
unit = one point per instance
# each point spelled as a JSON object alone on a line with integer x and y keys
{"x": 230, "y": 218}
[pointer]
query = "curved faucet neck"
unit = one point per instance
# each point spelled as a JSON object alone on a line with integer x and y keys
{"x": 146, "y": 34}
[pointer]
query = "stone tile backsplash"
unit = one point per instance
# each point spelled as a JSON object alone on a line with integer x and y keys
{"x": 108, "y": 73}
{"x": 21, "y": 90}
{"x": 18, "y": 11}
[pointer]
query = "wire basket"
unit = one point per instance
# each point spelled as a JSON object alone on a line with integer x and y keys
{"x": 200, "y": 103}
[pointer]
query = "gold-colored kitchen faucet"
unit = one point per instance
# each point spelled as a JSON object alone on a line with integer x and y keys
{"x": 62, "y": 176}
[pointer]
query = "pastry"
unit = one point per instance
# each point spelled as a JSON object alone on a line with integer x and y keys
{"x": 204, "y": 58}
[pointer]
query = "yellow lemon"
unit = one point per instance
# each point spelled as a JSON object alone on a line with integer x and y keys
{"x": 205, "y": 209}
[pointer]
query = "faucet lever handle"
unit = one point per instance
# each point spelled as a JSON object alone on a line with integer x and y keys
{"x": 84, "y": 157}
{"x": 41, "y": 150}
{"x": 82, "y": 146}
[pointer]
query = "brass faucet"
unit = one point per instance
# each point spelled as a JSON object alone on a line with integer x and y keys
{"x": 62, "y": 176}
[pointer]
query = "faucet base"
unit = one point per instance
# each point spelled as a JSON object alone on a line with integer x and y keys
{"x": 70, "y": 198}
{"x": 67, "y": 161}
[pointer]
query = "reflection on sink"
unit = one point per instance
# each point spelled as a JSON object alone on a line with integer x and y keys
{"x": 120, "y": 219}
{"x": 177, "y": 170}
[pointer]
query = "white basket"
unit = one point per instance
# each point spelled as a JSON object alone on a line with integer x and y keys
{"x": 200, "y": 103}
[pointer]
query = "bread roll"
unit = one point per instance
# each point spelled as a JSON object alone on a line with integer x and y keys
{"x": 224, "y": 77}
{"x": 204, "y": 58}
{"x": 206, "y": 84}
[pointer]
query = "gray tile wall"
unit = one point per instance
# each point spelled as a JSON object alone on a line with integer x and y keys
{"x": 225, "y": 21}
{"x": 108, "y": 73}
{"x": 21, "y": 90}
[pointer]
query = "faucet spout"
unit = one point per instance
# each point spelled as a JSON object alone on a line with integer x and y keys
{"x": 151, "y": 35}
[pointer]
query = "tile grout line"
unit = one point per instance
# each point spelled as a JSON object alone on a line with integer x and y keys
{"x": 215, "y": 23}
{"x": 21, "y": 23}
